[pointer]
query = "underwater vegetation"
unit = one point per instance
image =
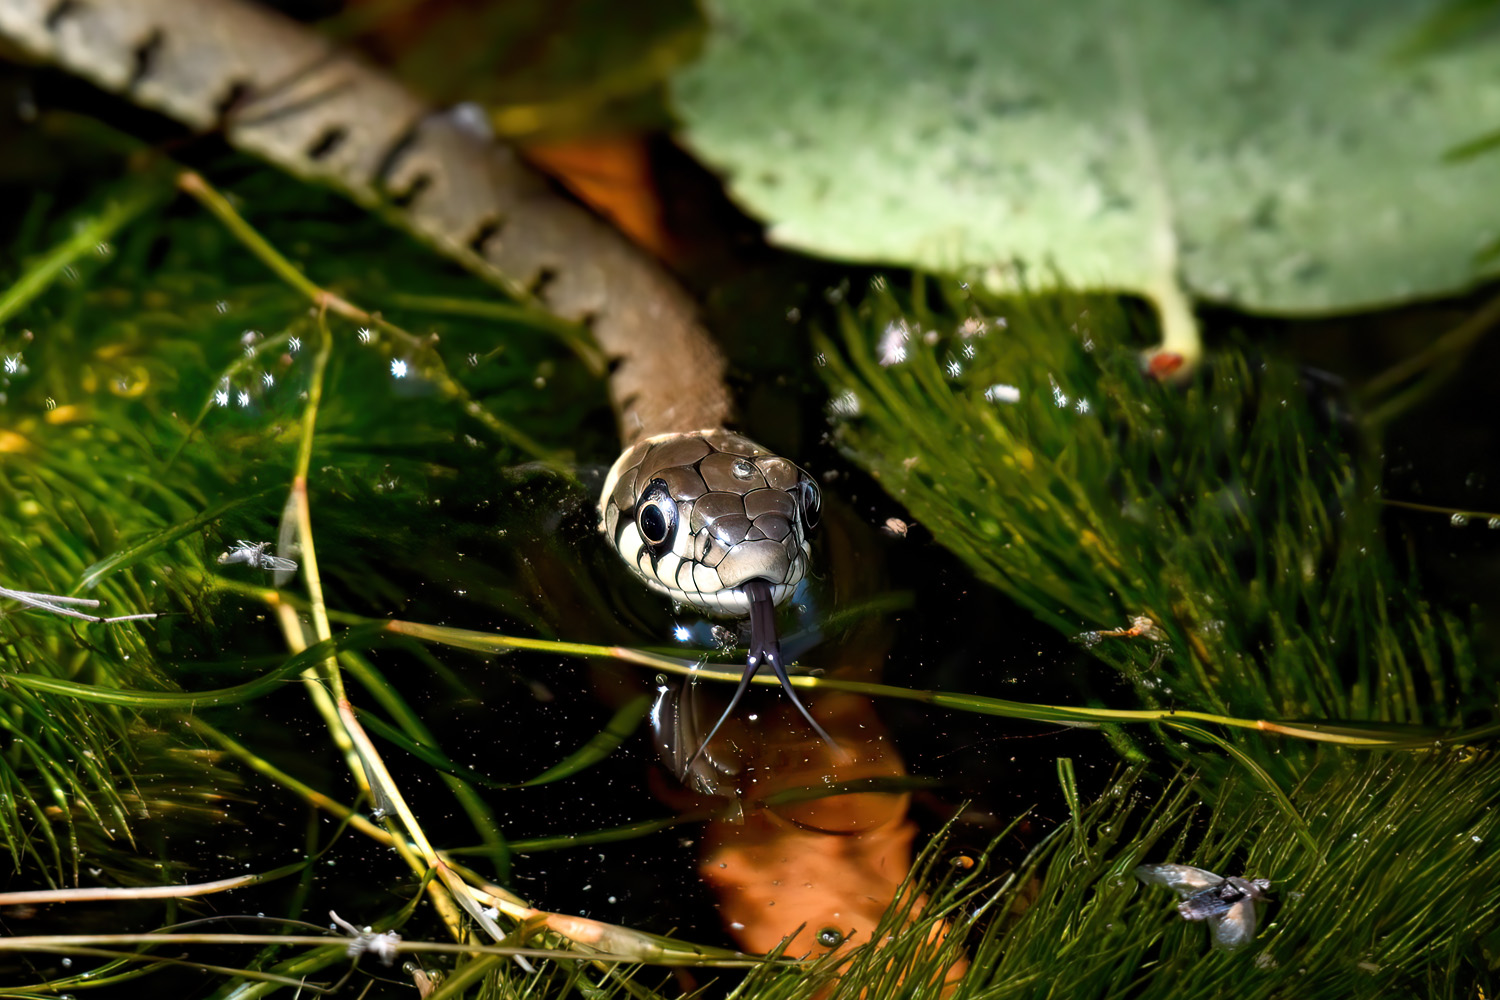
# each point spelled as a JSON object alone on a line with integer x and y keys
{"x": 363, "y": 702}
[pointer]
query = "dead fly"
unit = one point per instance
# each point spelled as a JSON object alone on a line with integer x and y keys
{"x": 256, "y": 556}
{"x": 59, "y": 605}
{"x": 1228, "y": 904}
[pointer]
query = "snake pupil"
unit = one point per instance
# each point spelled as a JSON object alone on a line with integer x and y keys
{"x": 653, "y": 524}
{"x": 656, "y": 516}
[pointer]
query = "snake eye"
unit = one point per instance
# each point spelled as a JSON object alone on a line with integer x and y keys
{"x": 656, "y": 516}
{"x": 810, "y": 499}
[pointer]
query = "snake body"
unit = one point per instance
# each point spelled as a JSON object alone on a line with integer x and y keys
{"x": 701, "y": 514}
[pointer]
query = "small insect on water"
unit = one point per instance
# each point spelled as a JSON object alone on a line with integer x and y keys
{"x": 1228, "y": 904}
{"x": 256, "y": 555}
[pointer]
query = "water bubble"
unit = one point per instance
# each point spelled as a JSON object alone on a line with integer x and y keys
{"x": 398, "y": 368}
{"x": 365, "y": 335}
{"x": 1493, "y": 524}
{"x": 1459, "y": 520}
{"x": 294, "y": 345}
{"x": 1002, "y": 393}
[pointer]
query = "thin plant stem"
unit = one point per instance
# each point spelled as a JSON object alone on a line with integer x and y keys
{"x": 1438, "y": 360}
{"x": 120, "y": 893}
{"x": 194, "y": 185}
{"x": 1354, "y": 736}
{"x": 472, "y": 803}
{"x": 76, "y": 942}
{"x": 118, "y": 212}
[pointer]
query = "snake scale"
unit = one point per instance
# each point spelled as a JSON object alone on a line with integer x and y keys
{"x": 699, "y": 512}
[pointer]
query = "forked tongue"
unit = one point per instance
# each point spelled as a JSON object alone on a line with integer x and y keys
{"x": 765, "y": 647}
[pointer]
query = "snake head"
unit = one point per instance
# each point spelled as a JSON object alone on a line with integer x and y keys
{"x": 697, "y": 516}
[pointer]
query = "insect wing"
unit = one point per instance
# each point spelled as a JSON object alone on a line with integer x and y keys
{"x": 1235, "y": 928}
{"x": 1185, "y": 879}
{"x": 1214, "y": 901}
{"x": 280, "y": 565}
{"x": 286, "y": 541}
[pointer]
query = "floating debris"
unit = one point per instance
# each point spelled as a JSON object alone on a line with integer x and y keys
{"x": 1228, "y": 904}
{"x": 895, "y": 527}
{"x": 383, "y": 946}
{"x": 256, "y": 555}
{"x": 1140, "y": 627}
{"x": 68, "y": 606}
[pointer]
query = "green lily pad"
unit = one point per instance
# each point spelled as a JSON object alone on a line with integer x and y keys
{"x": 1276, "y": 155}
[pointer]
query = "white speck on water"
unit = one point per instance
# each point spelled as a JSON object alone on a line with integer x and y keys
{"x": 243, "y": 399}
{"x": 1002, "y": 393}
{"x": 398, "y": 368}
{"x": 845, "y": 404}
{"x": 893, "y": 343}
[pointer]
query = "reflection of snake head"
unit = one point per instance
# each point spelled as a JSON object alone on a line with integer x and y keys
{"x": 697, "y": 516}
